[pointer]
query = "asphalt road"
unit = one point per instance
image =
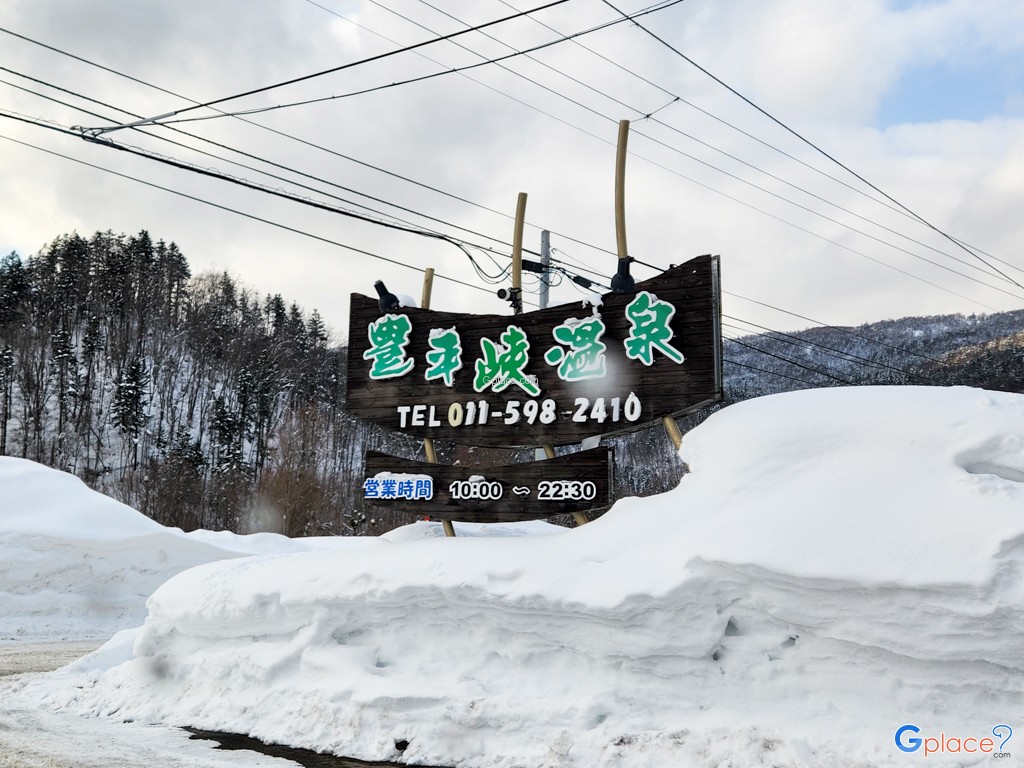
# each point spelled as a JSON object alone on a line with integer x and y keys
{"x": 19, "y": 658}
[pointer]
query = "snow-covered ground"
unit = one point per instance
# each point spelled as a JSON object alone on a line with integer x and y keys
{"x": 838, "y": 564}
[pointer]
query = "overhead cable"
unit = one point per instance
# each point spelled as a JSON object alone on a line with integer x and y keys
{"x": 815, "y": 147}
{"x": 828, "y": 351}
{"x": 388, "y": 224}
{"x": 603, "y": 92}
{"x": 161, "y": 119}
{"x": 242, "y": 213}
{"x": 332, "y": 70}
{"x": 276, "y": 132}
{"x": 792, "y": 362}
{"x": 781, "y": 375}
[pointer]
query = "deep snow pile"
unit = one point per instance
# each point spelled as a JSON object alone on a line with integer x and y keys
{"x": 75, "y": 564}
{"x": 839, "y": 563}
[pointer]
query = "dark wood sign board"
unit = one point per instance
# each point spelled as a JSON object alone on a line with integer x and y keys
{"x": 535, "y": 490}
{"x": 628, "y": 396}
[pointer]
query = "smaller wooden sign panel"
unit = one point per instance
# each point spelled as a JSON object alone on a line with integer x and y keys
{"x": 535, "y": 490}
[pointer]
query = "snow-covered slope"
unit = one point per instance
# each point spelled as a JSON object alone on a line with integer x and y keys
{"x": 839, "y": 563}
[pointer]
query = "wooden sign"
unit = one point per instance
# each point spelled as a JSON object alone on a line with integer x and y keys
{"x": 576, "y": 482}
{"x": 550, "y": 377}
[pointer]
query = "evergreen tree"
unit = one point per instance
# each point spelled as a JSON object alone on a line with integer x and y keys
{"x": 14, "y": 287}
{"x": 129, "y": 407}
{"x": 6, "y": 391}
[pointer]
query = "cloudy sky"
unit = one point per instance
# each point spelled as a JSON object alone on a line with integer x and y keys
{"x": 924, "y": 100}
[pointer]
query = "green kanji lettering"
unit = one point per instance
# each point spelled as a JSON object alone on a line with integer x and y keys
{"x": 650, "y": 318}
{"x": 389, "y": 336}
{"x": 503, "y": 364}
{"x": 445, "y": 355}
{"x": 585, "y": 357}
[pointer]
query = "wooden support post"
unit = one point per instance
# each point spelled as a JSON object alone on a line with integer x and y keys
{"x": 428, "y": 287}
{"x": 620, "y": 190}
{"x": 517, "y": 254}
{"x": 620, "y": 239}
{"x": 428, "y": 442}
{"x": 673, "y": 431}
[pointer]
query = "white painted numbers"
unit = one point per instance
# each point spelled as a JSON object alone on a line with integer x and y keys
{"x": 613, "y": 410}
{"x": 415, "y": 488}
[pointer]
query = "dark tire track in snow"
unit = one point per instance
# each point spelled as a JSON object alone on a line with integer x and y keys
{"x": 304, "y": 757}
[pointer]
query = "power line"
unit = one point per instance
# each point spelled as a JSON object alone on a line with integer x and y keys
{"x": 407, "y": 81}
{"x": 277, "y": 193}
{"x": 428, "y": 233}
{"x": 361, "y": 251}
{"x": 799, "y": 341}
{"x": 839, "y": 244}
{"x": 589, "y": 245}
{"x": 399, "y": 176}
{"x": 392, "y": 261}
{"x": 317, "y": 146}
{"x": 822, "y": 324}
{"x": 673, "y": 148}
{"x": 304, "y": 142}
{"x": 332, "y": 70}
{"x": 814, "y": 146}
{"x": 492, "y": 278}
{"x": 849, "y": 357}
{"x": 792, "y": 362}
{"x": 227, "y": 208}
{"x": 994, "y": 258}
{"x": 605, "y": 94}
{"x": 677, "y": 98}
{"x": 765, "y": 370}
{"x": 706, "y": 144}
{"x": 446, "y": 238}
{"x": 434, "y": 189}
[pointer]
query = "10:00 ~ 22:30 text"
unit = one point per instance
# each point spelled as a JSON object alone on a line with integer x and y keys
{"x": 480, "y": 412}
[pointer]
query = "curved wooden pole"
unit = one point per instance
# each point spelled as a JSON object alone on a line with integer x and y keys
{"x": 620, "y": 190}
{"x": 517, "y": 253}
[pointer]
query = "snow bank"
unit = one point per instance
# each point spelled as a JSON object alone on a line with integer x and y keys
{"x": 839, "y": 563}
{"x": 75, "y": 564}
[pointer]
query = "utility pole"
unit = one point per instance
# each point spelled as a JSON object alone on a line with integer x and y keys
{"x": 545, "y": 261}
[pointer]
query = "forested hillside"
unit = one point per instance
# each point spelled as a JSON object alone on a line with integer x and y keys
{"x": 190, "y": 398}
{"x": 974, "y": 350}
{"x": 203, "y": 404}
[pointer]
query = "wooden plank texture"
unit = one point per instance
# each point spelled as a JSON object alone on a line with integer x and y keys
{"x": 663, "y": 388}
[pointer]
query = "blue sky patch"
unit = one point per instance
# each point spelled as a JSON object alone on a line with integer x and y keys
{"x": 949, "y": 91}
